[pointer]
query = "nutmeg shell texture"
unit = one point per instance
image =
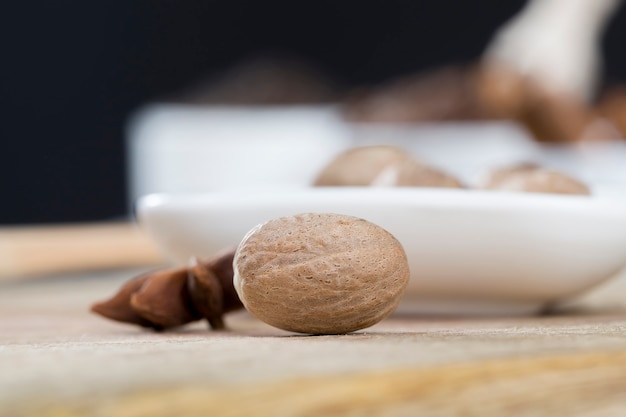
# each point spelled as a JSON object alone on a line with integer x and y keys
{"x": 320, "y": 273}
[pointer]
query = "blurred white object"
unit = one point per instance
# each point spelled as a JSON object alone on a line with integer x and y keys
{"x": 556, "y": 42}
{"x": 182, "y": 149}
{"x": 470, "y": 252}
{"x": 601, "y": 164}
{"x": 196, "y": 149}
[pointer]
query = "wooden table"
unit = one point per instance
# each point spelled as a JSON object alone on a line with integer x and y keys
{"x": 57, "y": 359}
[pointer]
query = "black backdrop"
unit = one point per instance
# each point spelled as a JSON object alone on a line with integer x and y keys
{"x": 72, "y": 71}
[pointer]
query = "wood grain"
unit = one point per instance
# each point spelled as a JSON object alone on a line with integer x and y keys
{"x": 572, "y": 385}
{"x": 56, "y": 359}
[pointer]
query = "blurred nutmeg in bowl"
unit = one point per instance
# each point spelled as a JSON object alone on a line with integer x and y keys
{"x": 529, "y": 177}
{"x": 382, "y": 165}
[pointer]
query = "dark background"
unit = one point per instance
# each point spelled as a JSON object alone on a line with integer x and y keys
{"x": 71, "y": 72}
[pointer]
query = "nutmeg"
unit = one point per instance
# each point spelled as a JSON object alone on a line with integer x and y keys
{"x": 531, "y": 178}
{"x": 446, "y": 93}
{"x": 320, "y": 273}
{"x": 498, "y": 176}
{"x": 382, "y": 165}
{"x": 612, "y": 106}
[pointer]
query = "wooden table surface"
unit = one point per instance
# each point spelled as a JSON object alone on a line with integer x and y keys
{"x": 57, "y": 359}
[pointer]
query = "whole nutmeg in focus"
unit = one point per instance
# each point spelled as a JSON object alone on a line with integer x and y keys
{"x": 531, "y": 178}
{"x": 382, "y": 165}
{"x": 320, "y": 273}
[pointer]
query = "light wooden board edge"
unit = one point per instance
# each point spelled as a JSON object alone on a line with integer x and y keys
{"x": 45, "y": 250}
{"x": 574, "y": 385}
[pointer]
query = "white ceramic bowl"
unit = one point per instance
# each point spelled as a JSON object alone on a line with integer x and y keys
{"x": 464, "y": 149}
{"x": 469, "y": 251}
{"x": 175, "y": 148}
